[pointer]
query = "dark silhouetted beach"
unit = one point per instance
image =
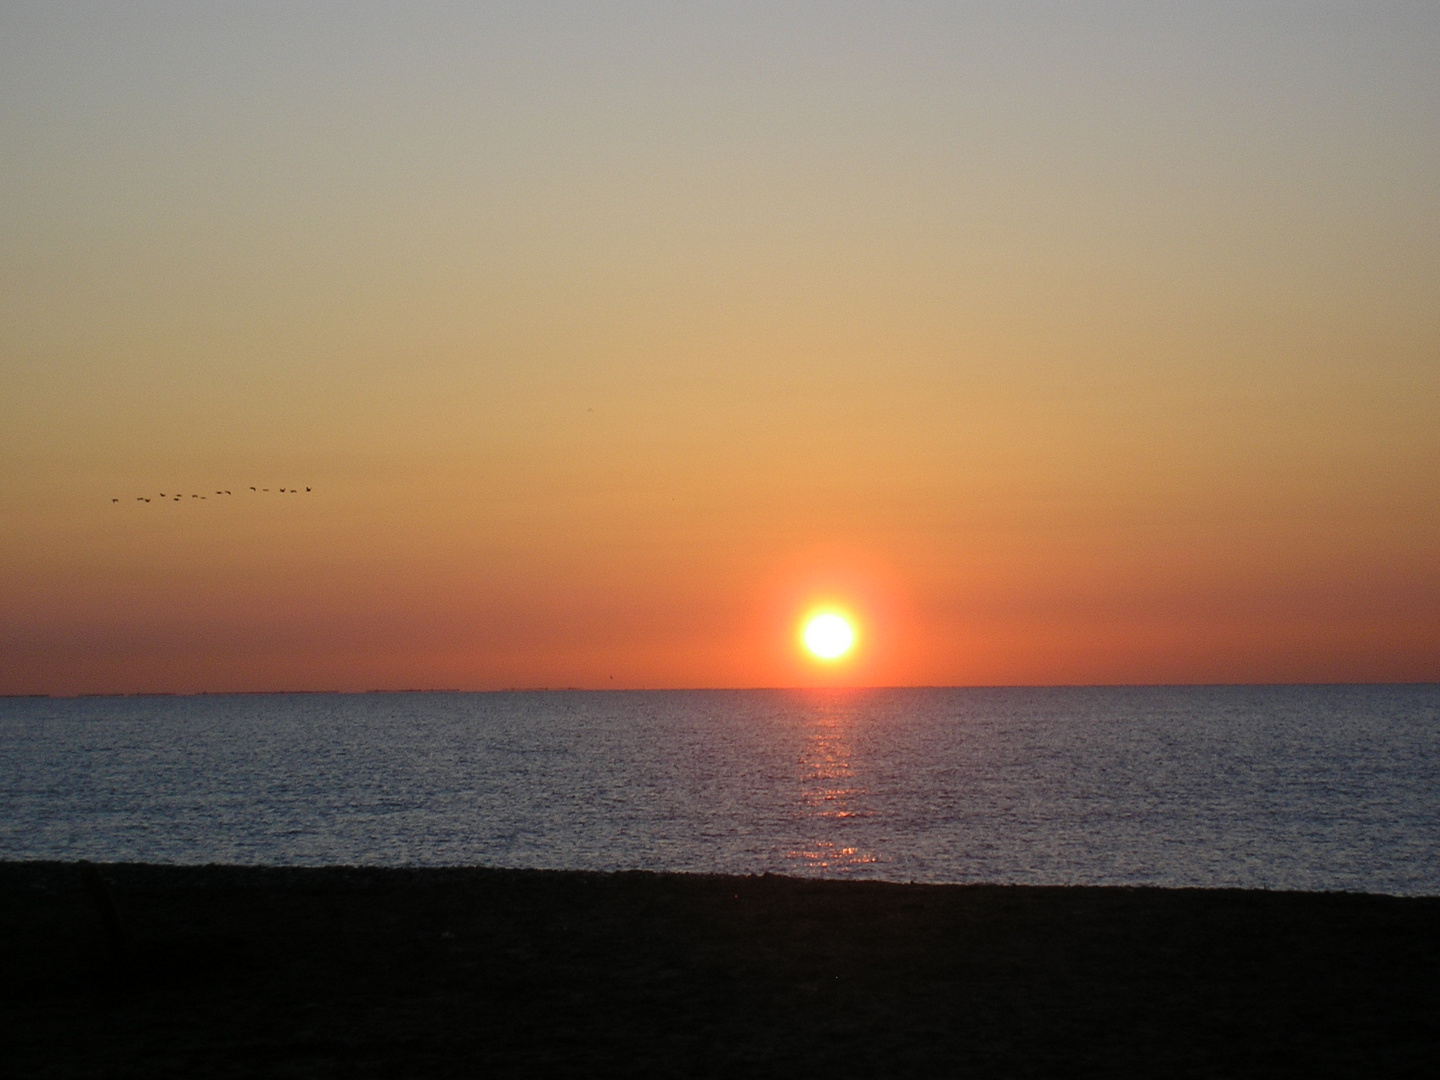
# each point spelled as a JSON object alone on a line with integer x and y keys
{"x": 228, "y": 971}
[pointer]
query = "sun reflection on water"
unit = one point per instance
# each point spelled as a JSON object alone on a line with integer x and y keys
{"x": 831, "y": 792}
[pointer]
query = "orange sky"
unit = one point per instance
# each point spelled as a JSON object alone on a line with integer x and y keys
{"x": 1071, "y": 345}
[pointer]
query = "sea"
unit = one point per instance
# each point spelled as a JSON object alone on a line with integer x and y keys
{"x": 1265, "y": 787}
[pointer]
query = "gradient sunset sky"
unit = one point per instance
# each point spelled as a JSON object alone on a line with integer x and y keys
{"x": 1058, "y": 343}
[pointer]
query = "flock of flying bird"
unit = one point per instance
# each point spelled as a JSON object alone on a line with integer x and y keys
{"x": 176, "y": 498}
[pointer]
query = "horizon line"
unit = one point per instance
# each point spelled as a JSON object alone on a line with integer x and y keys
{"x": 716, "y": 689}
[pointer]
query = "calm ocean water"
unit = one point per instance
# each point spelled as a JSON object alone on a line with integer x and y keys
{"x": 1333, "y": 787}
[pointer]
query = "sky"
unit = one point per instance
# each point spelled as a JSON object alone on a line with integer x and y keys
{"x": 1054, "y": 342}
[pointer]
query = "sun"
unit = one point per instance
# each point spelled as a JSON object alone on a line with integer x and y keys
{"x": 828, "y": 636}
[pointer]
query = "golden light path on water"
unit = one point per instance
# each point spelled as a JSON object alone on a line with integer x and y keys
{"x": 831, "y": 791}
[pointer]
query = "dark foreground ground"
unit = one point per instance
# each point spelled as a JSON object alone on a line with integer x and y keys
{"x": 344, "y": 972}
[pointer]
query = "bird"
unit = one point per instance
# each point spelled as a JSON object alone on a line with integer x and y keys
{"x": 147, "y": 500}
{"x": 252, "y": 487}
{"x": 227, "y": 493}
{"x": 114, "y": 500}
{"x": 307, "y": 489}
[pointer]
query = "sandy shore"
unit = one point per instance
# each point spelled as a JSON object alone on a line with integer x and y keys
{"x": 343, "y": 972}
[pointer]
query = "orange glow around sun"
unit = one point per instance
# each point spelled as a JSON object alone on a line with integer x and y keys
{"x": 828, "y": 635}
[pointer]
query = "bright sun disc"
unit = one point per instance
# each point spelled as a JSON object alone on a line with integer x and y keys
{"x": 829, "y": 636}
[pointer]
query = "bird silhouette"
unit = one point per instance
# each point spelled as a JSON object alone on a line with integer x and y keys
{"x": 177, "y": 496}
